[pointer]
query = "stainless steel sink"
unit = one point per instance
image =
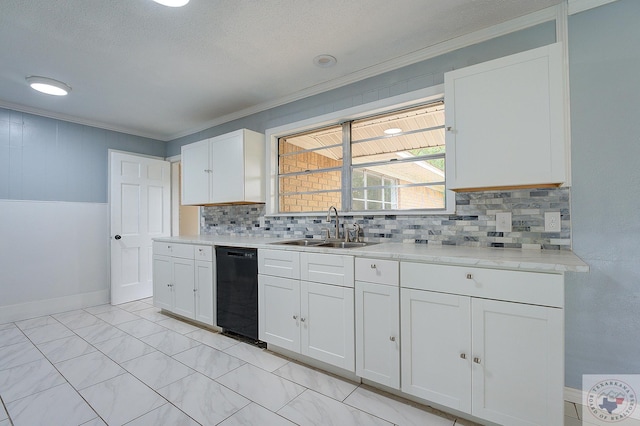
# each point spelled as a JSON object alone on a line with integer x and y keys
{"x": 342, "y": 244}
{"x": 323, "y": 243}
{"x": 306, "y": 243}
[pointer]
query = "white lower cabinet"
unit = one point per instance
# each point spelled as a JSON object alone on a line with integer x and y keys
{"x": 377, "y": 308}
{"x": 327, "y": 324}
{"x": 204, "y": 292}
{"x": 182, "y": 284}
{"x": 497, "y": 360}
{"x": 378, "y": 333}
{"x": 315, "y": 319}
{"x": 279, "y": 311}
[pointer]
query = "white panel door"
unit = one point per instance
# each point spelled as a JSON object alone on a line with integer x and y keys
{"x": 378, "y": 333}
{"x": 518, "y": 376}
{"x": 140, "y": 210}
{"x": 436, "y": 347}
{"x": 279, "y": 311}
{"x": 327, "y": 322}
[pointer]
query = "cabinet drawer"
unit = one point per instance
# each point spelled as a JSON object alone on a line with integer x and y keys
{"x": 377, "y": 271}
{"x": 184, "y": 251}
{"x": 203, "y": 253}
{"x": 516, "y": 286}
{"x": 327, "y": 269}
{"x": 279, "y": 263}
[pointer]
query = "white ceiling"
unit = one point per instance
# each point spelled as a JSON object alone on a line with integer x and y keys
{"x": 145, "y": 69}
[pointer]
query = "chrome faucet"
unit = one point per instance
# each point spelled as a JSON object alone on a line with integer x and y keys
{"x": 329, "y": 220}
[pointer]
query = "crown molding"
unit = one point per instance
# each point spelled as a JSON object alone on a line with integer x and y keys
{"x": 577, "y": 6}
{"x": 76, "y": 120}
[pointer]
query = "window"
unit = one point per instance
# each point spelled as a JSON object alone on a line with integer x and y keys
{"x": 373, "y": 191}
{"x": 393, "y": 161}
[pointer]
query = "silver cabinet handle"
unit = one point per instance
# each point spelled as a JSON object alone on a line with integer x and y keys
{"x": 302, "y": 319}
{"x": 200, "y": 250}
{"x": 295, "y": 317}
{"x": 469, "y": 276}
{"x": 476, "y": 360}
{"x": 392, "y": 338}
{"x": 449, "y": 128}
{"x": 373, "y": 266}
{"x": 463, "y": 356}
{"x": 207, "y": 170}
{"x": 195, "y": 289}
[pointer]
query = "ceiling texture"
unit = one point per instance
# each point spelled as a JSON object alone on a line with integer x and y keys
{"x": 145, "y": 69}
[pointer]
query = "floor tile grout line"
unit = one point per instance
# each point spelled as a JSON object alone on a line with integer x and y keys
{"x": 4, "y": 407}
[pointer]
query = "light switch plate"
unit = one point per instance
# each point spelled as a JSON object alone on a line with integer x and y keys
{"x": 552, "y": 222}
{"x": 503, "y": 222}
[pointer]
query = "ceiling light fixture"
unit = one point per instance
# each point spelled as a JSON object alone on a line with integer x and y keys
{"x": 48, "y": 85}
{"x": 392, "y": 131}
{"x": 324, "y": 61}
{"x": 172, "y": 3}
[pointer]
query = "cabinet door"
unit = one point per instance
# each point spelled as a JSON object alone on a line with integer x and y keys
{"x": 279, "y": 311}
{"x": 518, "y": 376}
{"x": 506, "y": 121}
{"x": 205, "y": 295}
{"x": 378, "y": 333}
{"x": 196, "y": 173}
{"x": 162, "y": 280}
{"x": 183, "y": 286}
{"x": 327, "y": 324}
{"x": 227, "y": 161}
{"x": 436, "y": 342}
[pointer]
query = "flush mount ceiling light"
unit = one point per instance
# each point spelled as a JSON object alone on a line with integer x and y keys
{"x": 48, "y": 85}
{"x": 324, "y": 61}
{"x": 392, "y": 131}
{"x": 172, "y": 3}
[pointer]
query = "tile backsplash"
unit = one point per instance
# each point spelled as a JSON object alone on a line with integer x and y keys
{"x": 473, "y": 224}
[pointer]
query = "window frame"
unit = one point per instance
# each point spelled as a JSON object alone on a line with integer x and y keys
{"x": 387, "y": 105}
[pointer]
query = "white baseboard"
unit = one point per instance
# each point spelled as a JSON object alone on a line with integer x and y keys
{"x": 39, "y": 308}
{"x": 573, "y": 395}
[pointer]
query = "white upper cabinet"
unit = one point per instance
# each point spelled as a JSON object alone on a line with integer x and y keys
{"x": 195, "y": 172}
{"x": 224, "y": 169}
{"x": 505, "y": 122}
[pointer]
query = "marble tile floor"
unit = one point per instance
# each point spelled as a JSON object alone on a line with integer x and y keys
{"x": 131, "y": 364}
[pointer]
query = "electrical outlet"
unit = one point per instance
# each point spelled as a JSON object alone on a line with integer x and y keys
{"x": 552, "y": 222}
{"x": 503, "y": 222}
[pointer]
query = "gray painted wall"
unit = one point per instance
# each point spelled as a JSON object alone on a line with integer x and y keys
{"x": 51, "y": 160}
{"x": 602, "y": 332}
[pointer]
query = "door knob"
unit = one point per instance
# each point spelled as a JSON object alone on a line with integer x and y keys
{"x": 117, "y": 237}
{"x": 476, "y": 360}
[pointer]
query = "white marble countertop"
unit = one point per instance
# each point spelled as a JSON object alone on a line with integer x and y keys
{"x": 554, "y": 261}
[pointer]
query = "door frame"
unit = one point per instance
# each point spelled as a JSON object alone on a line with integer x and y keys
{"x": 109, "y": 236}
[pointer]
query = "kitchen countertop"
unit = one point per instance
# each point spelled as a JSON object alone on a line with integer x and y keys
{"x": 553, "y": 261}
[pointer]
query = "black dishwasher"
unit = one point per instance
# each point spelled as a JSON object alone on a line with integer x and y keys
{"x": 237, "y": 290}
